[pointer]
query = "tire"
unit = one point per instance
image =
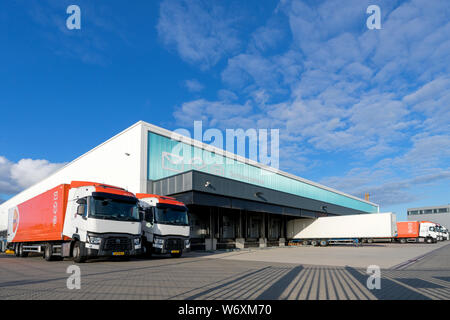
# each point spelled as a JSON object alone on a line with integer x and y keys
{"x": 177, "y": 255}
{"x": 429, "y": 240}
{"x": 22, "y": 254}
{"x": 48, "y": 252}
{"x": 314, "y": 243}
{"x": 148, "y": 250}
{"x": 369, "y": 240}
{"x": 403, "y": 240}
{"x": 323, "y": 243}
{"x": 305, "y": 242}
{"x": 77, "y": 253}
{"x": 16, "y": 249}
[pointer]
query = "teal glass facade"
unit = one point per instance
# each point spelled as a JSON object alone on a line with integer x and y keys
{"x": 167, "y": 157}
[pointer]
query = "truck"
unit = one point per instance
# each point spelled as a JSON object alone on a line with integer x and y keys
{"x": 446, "y": 234}
{"x": 81, "y": 220}
{"x": 165, "y": 225}
{"x": 442, "y": 232}
{"x": 355, "y": 228}
{"x": 416, "y": 231}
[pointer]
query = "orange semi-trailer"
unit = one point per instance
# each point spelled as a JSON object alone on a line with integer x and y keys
{"x": 79, "y": 220}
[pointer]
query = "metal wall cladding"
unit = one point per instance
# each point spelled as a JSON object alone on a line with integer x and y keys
{"x": 440, "y": 218}
{"x": 169, "y": 157}
{"x": 200, "y": 188}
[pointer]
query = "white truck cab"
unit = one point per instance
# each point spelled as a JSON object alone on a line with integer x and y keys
{"x": 165, "y": 225}
{"x": 104, "y": 219}
{"x": 445, "y": 233}
{"x": 428, "y": 231}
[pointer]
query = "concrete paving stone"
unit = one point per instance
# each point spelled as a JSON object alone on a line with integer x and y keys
{"x": 297, "y": 273}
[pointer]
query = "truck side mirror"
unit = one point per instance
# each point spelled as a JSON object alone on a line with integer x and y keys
{"x": 149, "y": 216}
{"x": 80, "y": 209}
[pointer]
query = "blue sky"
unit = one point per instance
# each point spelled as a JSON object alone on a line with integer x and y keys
{"x": 359, "y": 110}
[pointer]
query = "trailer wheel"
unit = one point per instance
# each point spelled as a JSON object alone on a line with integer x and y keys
{"x": 48, "y": 250}
{"x": 22, "y": 254}
{"x": 323, "y": 243}
{"x": 16, "y": 249}
{"x": 78, "y": 256}
{"x": 369, "y": 240}
{"x": 305, "y": 242}
{"x": 314, "y": 243}
{"x": 403, "y": 240}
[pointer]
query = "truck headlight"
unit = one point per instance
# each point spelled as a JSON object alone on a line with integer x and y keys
{"x": 137, "y": 241}
{"x": 94, "y": 240}
{"x": 187, "y": 243}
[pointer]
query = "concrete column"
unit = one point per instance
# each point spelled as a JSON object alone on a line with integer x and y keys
{"x": 210, "y": 244}
{"x": 240, "y": 243}
{"x": 263, "y": 239}
{"x": 262, "y": 242}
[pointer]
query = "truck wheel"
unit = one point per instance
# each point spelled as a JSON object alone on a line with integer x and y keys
{"x": 369, "y": 240}
{"x": 176, "y": 255}
{"x": 429, "y": 240}
{"x": 323, "y": 243}
{"x": 305, "y": 242}
{"x": 148, "y": 250}
{"x": 314, "y": 243}
{"x": 48, "y": 252}
{"x": 16, "y": 249}
{"x": 403, "y": 240}
{"x": 78, "y": 256}
{"x": 22, "y": 254}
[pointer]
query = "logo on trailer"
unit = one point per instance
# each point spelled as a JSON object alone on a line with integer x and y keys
{"x": 15, "y": 222}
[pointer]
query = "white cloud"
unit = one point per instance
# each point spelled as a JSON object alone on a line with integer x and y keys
{"x": 379, "y": 97}
{"x": 15, "y": 177}
{"x": 213, "y": 113}
{"x": 193, "y": 85}
{"x": 201, "y": 31}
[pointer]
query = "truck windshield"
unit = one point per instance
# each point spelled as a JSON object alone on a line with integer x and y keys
{"x": 169, "y": 214}
{"x": 113, "y": 209}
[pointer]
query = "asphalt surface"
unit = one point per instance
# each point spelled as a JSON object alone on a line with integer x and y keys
{"x": 232, "y": 275}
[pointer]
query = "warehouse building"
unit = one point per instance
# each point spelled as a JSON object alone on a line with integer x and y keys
{"x": 234, "y": 202}
{"x": 436, "y": 214}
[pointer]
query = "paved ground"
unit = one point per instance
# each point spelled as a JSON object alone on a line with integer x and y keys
{"x": 384, "y": 255}
{"x": 235, "y": 275}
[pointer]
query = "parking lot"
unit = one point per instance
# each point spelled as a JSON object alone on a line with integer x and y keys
{"x": 409, "y": 271}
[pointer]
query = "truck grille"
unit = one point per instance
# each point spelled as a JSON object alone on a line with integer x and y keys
{"x": 118, "y": 244}
{"x": 174, "y": 244}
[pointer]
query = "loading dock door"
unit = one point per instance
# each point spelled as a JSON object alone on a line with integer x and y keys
{"x": 228, "y": 227}
{"x": 199, "y": 228}
{"x": 254, "y": 227}
{"x": 274, "y": 228}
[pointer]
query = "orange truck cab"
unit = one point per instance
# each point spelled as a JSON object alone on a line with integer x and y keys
{"x": 416, "y": 231}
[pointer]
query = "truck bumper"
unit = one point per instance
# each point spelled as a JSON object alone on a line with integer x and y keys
{"x": 109, "y": 253}
{"x": 171, "y": 245}
{"x": 113, "y": 245}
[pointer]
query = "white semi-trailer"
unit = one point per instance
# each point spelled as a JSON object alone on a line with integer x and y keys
{"x": 347, "y": 228}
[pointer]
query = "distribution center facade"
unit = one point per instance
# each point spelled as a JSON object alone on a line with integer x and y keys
{"x": 436, "y": 214}
{"x": 232, "y": 201}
